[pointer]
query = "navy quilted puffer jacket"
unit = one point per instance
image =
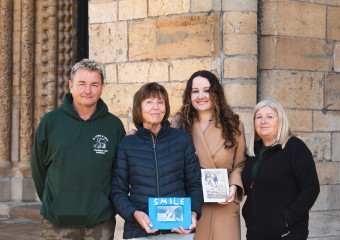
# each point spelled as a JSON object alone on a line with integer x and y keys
{"x": 165, "y": 165}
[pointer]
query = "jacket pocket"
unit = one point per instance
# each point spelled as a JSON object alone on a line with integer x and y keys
{"x": 80, "y": 208}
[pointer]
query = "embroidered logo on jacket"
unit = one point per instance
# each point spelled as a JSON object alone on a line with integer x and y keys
{"x": 100, "y": 144}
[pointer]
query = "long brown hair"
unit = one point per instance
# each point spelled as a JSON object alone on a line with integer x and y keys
{"x": 226, "y": 119}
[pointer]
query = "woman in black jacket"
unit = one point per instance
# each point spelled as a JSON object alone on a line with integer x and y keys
{"x": 279, "y": 178}
{"x": 157, "y": 161}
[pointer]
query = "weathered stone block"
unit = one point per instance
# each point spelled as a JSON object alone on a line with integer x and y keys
{"x": 5, "y": 189}
{"x": 119, "y": 98}
{"x": 175, "y": 92}
{"x": 142, "y": 72}
{"x": 333, "y": 23}
{"x": 337, "y": 57}
{"x": 332, "y": 91}
{"x": 327, "y": 121}
{"x": 237, "y": 67}
{"x": 16, "y": 189}
{"x": 166, "y": 7}
{"x": 303, "y": 90}
{"x": 132, "y": 9}
{"x": 300, "y": 120}
{"x": 103, "y": 12}
{"x": 111, "y": 73}
{"x": 300, "y": 54}
{"x": 204, "y": 6}
{"x": 239, "y": 5}
{"x": 240, "y": 44}
{"x": 321, "y": 203}
{"x": 240, "y": 95}
{"x": 319, "y": 144}
{"x": 141, "y": 40}
{"x": 324, "y": 224}
{"x": 333, "y": 197}
{"x": 246, "y": 117}
{"x": 328, "y": 198}
{"x": 293, "y": 19}
{"x": 187, "y": 36}
{"x": 181, "y": 70}
{"x": 108, "y": 42}
{"x": 28, "y": 190}
{"x": 336, "y": 147}
{"x": 240, "y": 22}
{"x": 328, "y": 172}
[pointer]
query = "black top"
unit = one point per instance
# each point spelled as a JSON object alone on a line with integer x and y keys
{"x": 284, "y": 189}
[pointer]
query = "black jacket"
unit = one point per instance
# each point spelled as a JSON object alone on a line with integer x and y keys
{"x": 165, "y": 165}
{"x": 283, "y": 191}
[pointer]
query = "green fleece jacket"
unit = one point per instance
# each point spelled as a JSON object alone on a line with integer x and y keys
{"x": 71, "y": 164}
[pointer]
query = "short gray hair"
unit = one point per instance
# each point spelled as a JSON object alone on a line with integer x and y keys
{"x": 88, "y": 65}
{"x": 284, "y": 132}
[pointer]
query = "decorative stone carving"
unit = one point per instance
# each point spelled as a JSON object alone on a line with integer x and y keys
{"x": 49, "y": 58}
{"x": 65, "y": 56}
{"x": 27, "y": 74}
{"x": 6, "y": 48}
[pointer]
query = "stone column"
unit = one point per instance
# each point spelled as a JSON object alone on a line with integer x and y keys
{"x": 27, "y": 74}
{"x": 6, "y": 11}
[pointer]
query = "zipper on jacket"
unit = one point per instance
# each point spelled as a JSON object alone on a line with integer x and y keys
{"x": 155, "y": 156}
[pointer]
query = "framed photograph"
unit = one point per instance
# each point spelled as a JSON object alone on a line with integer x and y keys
{"x": 170, "y": 213}
{"x": 215, "y": 184}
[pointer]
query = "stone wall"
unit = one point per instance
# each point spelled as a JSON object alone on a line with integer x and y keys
{"x": 299, "y": 65}
{"x": 141, "y": 41}
{"x": 166, "y": 41}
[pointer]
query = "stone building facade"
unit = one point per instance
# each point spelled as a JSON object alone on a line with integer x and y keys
{"x": 288, "y": 50}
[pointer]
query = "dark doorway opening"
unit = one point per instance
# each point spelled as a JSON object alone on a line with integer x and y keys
{"x": 82, "y": 30}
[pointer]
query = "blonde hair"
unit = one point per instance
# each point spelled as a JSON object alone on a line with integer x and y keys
{"x": 284, "y": 132}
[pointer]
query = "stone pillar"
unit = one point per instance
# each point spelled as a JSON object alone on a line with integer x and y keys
{"x": 65, "y": 55}
{"x": 27, "y": 73}
{"x": 6, "y": 11}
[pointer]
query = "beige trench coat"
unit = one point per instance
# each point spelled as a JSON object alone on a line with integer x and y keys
{"x": 220, "y": 221}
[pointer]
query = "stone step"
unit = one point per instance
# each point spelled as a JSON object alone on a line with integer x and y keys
{"x": 30, "y": 211}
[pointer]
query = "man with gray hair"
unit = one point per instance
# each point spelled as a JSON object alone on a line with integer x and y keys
{"x": 73, "y": 152}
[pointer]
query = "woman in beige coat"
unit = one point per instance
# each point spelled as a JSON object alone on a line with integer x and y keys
{"x": 218, "y": 136}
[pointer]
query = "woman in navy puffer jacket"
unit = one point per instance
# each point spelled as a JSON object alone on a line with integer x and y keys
{"x": 157, "y": 161}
